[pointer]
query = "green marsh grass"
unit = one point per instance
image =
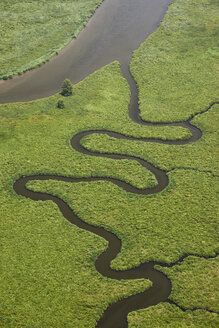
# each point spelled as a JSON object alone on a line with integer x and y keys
{"x": 195, "y": 283}
{"x": 201, "y": 155}
{"x": 165, "y": 315}
{"x": 176, "y": 68}
{"x": 179, "y": 220}
{"x": 31, "y": 32}
{"x": 49, "y": 279}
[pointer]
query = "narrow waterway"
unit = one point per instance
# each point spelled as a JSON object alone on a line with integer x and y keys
{"x": 117, "y": 28}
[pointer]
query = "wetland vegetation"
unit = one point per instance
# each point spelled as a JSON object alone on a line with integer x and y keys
{"x": 176, "y": 67}
{"x": 195, "y": 283}
{"x": 59, "y": 257}
{"x": 32, "y": 32}
{"x": 35, "y": 139}
{"x": 166, "y": 315}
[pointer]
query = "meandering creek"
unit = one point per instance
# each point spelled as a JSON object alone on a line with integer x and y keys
{"x": 117, "y": 28}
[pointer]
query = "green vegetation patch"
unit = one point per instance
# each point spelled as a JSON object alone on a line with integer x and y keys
{"x": 179, "y": 220}
{"x": 47, "y": 265}
{"x": 33, "y": 31}
{"x": 169, "y": 316}
{"x": 48, "y": 278}
{"x": 195, "y": 283}
{"x": 200, "y": 155}
{"x": 176, "y": 68}
{"x": 99, "y": 102}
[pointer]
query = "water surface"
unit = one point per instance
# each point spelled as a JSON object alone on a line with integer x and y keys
{"x": 117, "y": 28}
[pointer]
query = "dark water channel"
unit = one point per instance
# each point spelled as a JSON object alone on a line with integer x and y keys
{"x": 117, "y": 28}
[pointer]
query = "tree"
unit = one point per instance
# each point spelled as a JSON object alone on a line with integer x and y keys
{"x": 60, "y": 104}
{"x": 66, "y": 88}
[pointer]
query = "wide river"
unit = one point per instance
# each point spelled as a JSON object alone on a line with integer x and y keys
{"x": 117, "y": 28}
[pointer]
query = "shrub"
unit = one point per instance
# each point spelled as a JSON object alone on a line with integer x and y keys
{"x": 60, "y": 104}
{"x": 66, "y": 88}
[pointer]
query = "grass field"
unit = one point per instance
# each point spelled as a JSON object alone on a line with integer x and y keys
{"x": 165, "y": 315}
{"x": 48, "y": 277}
{"x": 176, "y": 68}
{"x": 48, "y": 274}
{"x": 169, "y": 157}
{"x": 195, "y": 283}
{"x": 31, "y": 32}
{"x": 179, "y": 220}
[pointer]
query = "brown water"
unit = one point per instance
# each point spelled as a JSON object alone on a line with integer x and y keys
{"x": 117, "y": 28}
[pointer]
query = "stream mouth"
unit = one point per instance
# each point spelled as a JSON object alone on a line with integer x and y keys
{"x": 125, "y": 24}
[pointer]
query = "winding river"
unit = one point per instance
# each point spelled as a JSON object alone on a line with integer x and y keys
{"x": 117, "y": 28}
